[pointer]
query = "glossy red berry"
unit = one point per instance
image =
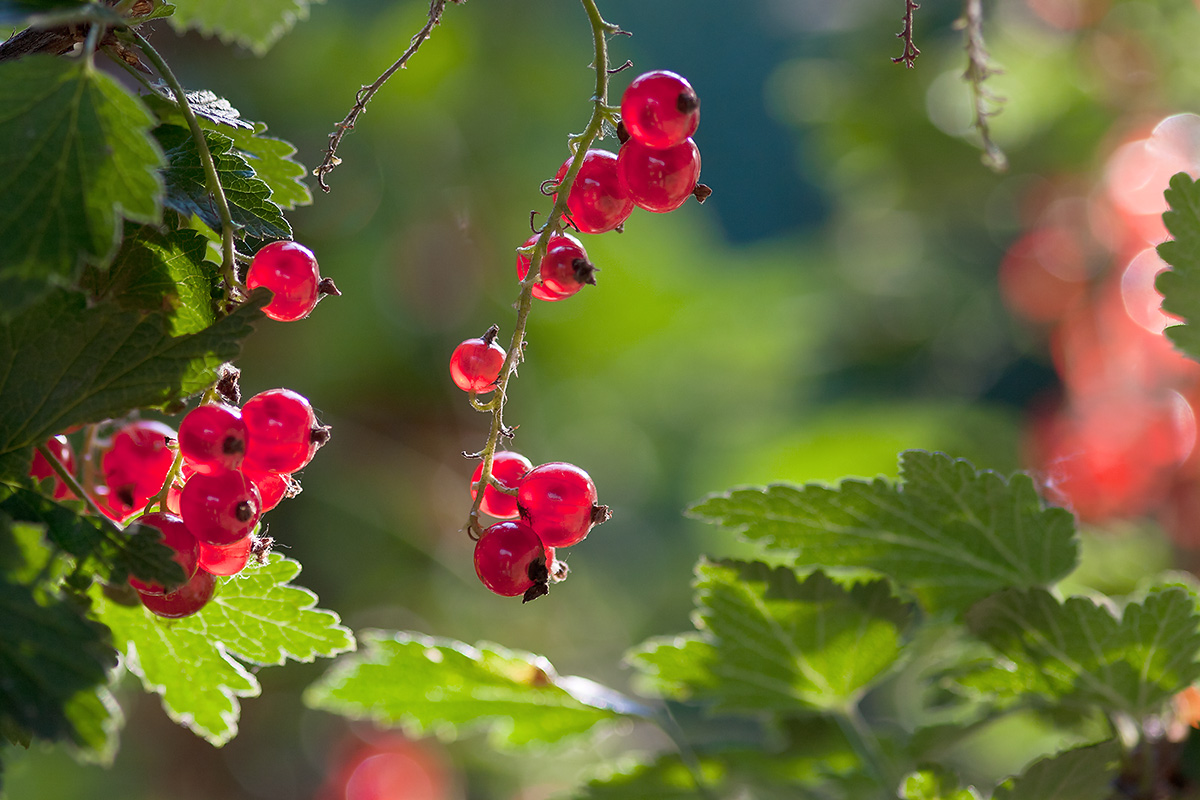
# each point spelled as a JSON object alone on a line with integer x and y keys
{"x": 539, "y": 289}
{"x": 137, "y": 464}
{"x": 290, "y": 271}
{"x": 273, "y": 487}
{"x": 283, "y": 432}
{"x": 660, "y": 109}
{"x": 184, "y": 602}
{"x": 40, "y": 469}
{"x": 564, "y": 269}
{"x": 510, "y": 559}
{"x": 475, "y": 364}
{"x": 229, "y": 559}
{"x": 559, "y": 502}
{"x": 659, "y": 180}
{"x": 111, "y": 507}
{"x": 220, "y": 509}
{"x": 212, "y": 437}
{"x": 175, "y": 535}
{"x": 508, "y": 468}
{"x": 597, "y": 202}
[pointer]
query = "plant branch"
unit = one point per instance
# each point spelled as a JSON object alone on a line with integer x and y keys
{"x": 436, "y": 7}
{"x": 984, "y": 103}
{"x": 65, "y": 475}
{"x": 578, "y": 144}
{"x": 909, "y": 57}
{"x": 212, "y": 179}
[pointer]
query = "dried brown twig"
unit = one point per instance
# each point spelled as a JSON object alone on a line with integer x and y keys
{"x": 909, "y": 57}
{"x": 985, "y": 104}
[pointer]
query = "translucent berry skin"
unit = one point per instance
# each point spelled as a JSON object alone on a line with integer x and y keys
{"x": 212, "y": 438}
{"x": 475, "y": 365}
{"x": 503, "y": 556}
{"x": 557, "y": 500}
{"x": 659, "y": 180}
{"x": 175, "y": 535}
{"x": 660, "y": 109}
{"x": 228, "y": 560}
{"x": 280, "y": 424}
{"x": 220, "y": 509}
{"x": 272, "y": 487}
{"x": 290, "y": 271}
{"x": 136, "y": 465}
{"x": 597, "y": 202}
{"x": 186, "y": 471}
{"x": 183, "y": 602}
{"x": 508, "y": 468}
{"x": 40, "y": 469}
{"x": 110, "y": 506}
{"x": 539, "y": 289}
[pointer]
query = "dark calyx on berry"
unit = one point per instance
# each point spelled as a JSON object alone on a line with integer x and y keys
{"x": 541, "y": 580}
{"x": 585, "y": 271}
{"x": 687, "y": 102}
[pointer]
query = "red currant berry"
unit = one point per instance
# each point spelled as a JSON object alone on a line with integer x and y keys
{"x": 597, "y": 202}
{"x": 475, "y": 364}
{"x": 220, "y": 509}
{"x": 559, "y": 502}
{"x": 228, "y": 560}
{"x": 283, "y": 431}
{"x": 40, "y": 469}
{"x": 110, "y": 506}
{"x": 183, "y": 602}
{"x": 660, "y": 109}
{"x": 137, "y": 464}
{"x": 564, "y": 270}
{"x": 659, "y": 180}
{"x": 176, "y": 489}
{"x": 212, "y": 438}
{"x": 273, "y": 487}
{"x": 175, "y": 535}
{"x": 539, "y": 289}
{"x": 290, "y": 271}
{"x": 508, "y": 468}
{"x": 510, "y": 559}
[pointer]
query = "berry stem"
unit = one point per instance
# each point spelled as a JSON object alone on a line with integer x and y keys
{"x": 74, "y": 485}
{"x": 579, "y": 144}
{"x": 210, "y": 169}
{"x": 160, "y": 499}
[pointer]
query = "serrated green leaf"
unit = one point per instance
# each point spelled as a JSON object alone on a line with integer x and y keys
{"x": 1077, "y": 654}
{"x": 63, "y": 363}
{"x": 168, "y": 272}
{"x": 248, "y": 196}
{"x": 97, "y": 719}
{"x": 450, "y": 689}
{"x": 771, "y": 642}
{"x": 256, "y": 25}
{"x": 1180, "y": 285}
{"x": 1084, "y": 773}
{"x": 949, "y": 533}
{"x": 76, "y": 160}
{"x": 190, "y": 662}
{"x": 935, "y": 784}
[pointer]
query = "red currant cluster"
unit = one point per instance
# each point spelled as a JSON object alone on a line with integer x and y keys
{"x": 550, "y": 506}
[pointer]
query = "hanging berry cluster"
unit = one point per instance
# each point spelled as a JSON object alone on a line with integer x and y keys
{"x": 206, "y": 487}
{"x": 555, "y": 505}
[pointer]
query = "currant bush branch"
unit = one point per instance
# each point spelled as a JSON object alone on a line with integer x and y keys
{"x": 909, "y": 57}
{"x": 73, "y": 484}
{"x": 602, "y": 114}
{"x": 984, "y": 103}
{"x": 365, "y": 93}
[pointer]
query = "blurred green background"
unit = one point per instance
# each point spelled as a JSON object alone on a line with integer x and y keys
{"x": 833, "y": 303}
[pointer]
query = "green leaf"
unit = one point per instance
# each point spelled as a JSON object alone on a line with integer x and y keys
{"x": 190, "y": 662}
{"x": 161, "y": 272}
{"x": 256, "y": 25}
{"x": 64, "y": 363}
{"x": 450, "y": 689}
{"x": 951, "y": 534}
{"x": 1180, "y": 285}
{"x": 769, "y": 642}
{"x": 97, "y": 719}
{"x": 270, "y": 158}
{"x": 252, "y": 211}
{"x": 934, "y": 784}
{"x": 1077, "y": 654}
{"x": 18, "y": 12}
{"x": 1084, "y": 773}
{"x": 76, "y": 159}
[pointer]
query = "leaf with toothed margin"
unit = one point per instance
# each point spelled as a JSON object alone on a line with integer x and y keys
{"x": 256, "y": 25}
{"x": 1084, "y": 773}
{"x": 1180, "y": 285}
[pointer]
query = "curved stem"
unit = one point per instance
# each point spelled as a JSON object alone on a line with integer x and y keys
{"x": 862, "y": 740}
{"x": 579, "y": 144}
{"x": 212, "y": 180}
{"x": 65, "y": 475}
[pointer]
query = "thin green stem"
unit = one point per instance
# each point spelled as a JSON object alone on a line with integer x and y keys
{"x": 212, "y": 179}
{"x": 862, "y": 739}
{"x": 579, "y": 144}
{"x": 670, "y": 726}
{"x": 65, "y": 475}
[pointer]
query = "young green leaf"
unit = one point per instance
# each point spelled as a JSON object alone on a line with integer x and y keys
{"x": 438, "y": 686}
{"x": 76, "y": 160}
{"x": 64, "y": 363}
{"x": 256, "y": 615}
{"x": 1084, "y": 773}
{"x": 1180, "y": 285}
{"x": 256, "y": 25}
{"x": 951, "y": 534}
{"x": 1078, "y": 654}
{"x": 248, "y": 196}
{"x": 167, "y": 272}
{"x": 935, "y": 784}
{"x": 769, "y": 642}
